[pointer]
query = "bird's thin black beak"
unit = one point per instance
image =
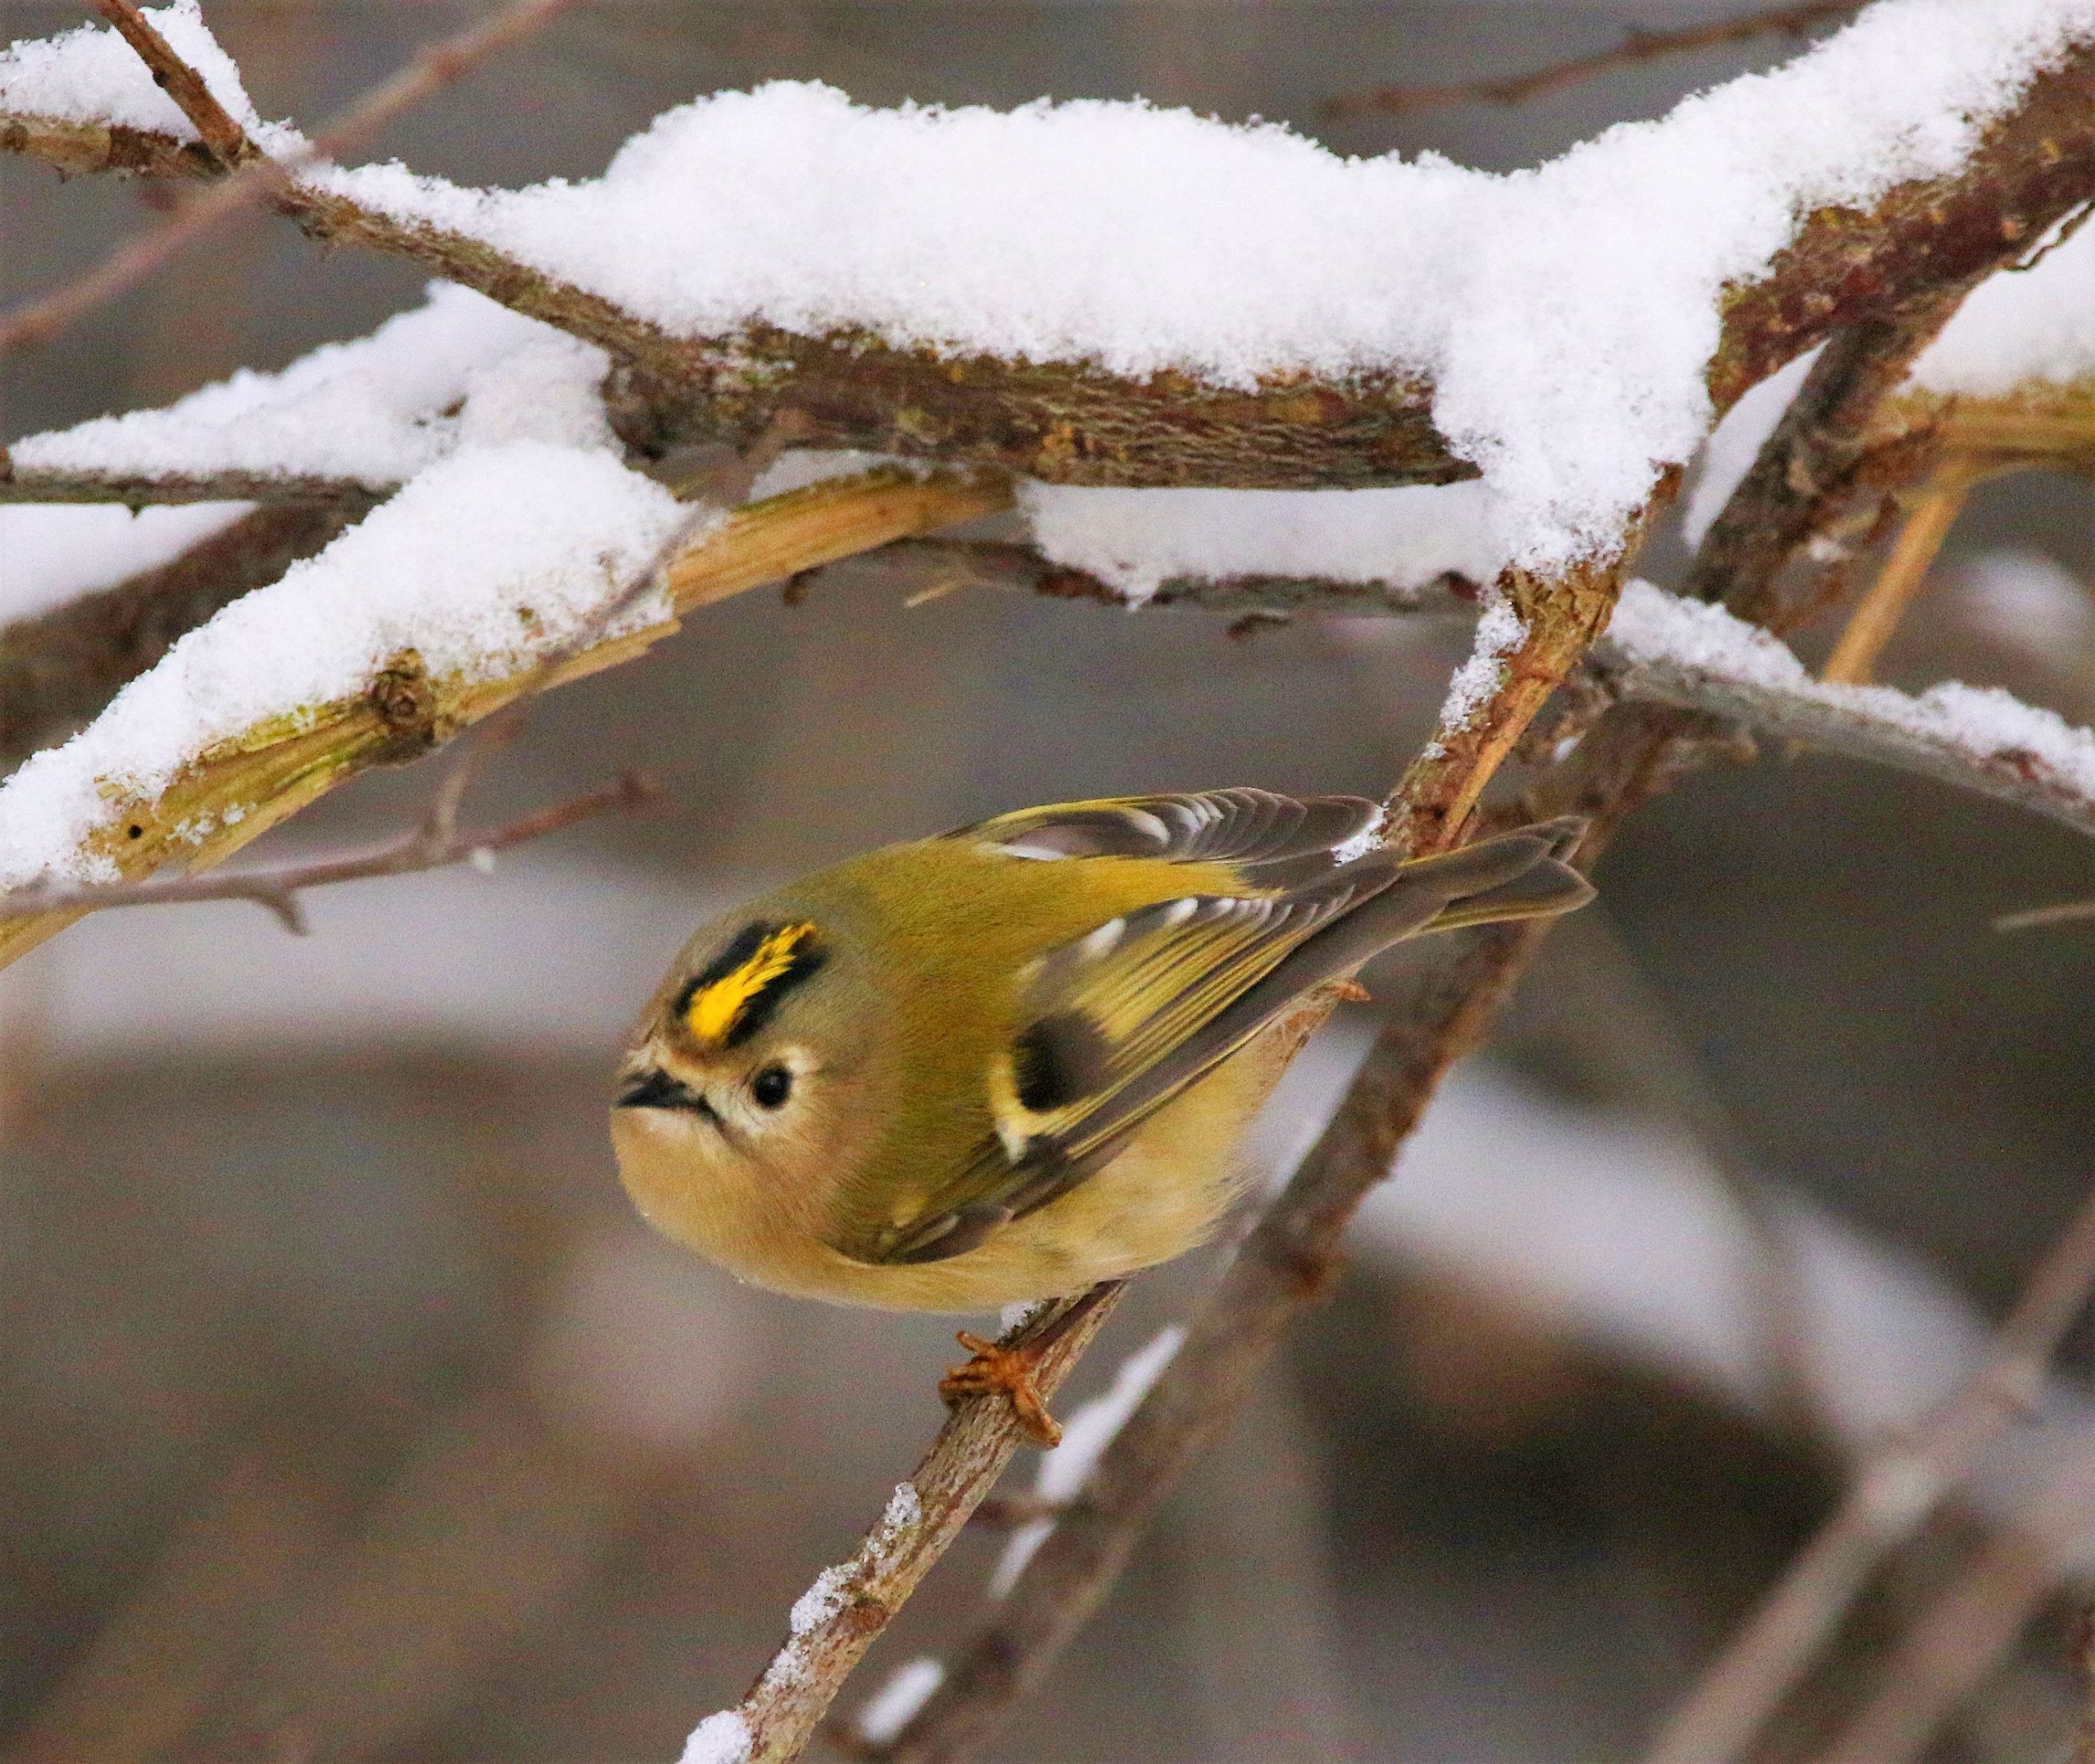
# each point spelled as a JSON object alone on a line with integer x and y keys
{"x": 655, "y": 1089}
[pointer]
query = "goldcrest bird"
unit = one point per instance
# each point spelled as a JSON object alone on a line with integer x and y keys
{"x": 1014, "y": 1059}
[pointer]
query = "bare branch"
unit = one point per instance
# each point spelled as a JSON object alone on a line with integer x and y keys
{"x": 1804, "y": 470}
{"x": 57, "y": 670}
{"x": 952, "y": 565}
{"x": 224, "y": 137}
{"x": 1637, "y": 45}
{"x": 436, "y": 844}
{"x": 254, "y": 179}
{"x": 1965, "y": 1633}
{"x": 2066, "y": 912}
{"x": 1877, "y": 615}
{"x": 1896, "y": 1490}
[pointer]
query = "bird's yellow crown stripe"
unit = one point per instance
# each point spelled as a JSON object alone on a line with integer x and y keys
{"x": 712, "y": 1011}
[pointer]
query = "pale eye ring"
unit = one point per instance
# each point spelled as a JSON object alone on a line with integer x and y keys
{"x": 772, "y": 1086}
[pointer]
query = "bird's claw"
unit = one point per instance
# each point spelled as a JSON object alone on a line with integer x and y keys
{"x": 1008, "y": 1372}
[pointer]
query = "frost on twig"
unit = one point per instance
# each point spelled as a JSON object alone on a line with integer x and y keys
{"x": 1700, "y": 658}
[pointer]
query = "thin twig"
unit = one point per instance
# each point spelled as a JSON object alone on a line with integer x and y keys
{"x": 1961, "y": 1639}
{"x": 1877, "y": 615}
{"x": 1896, "y": 1491}
{"x": 220, "y": 132}
{"x": 2066, "y": 912}
{"x": 43, "y": 485}
{"x": 1637, "y": 45}
{"x": 435, "y": 844}
{"x": 255, "y": 178}
{"x": 850, "y": 1604}
{"x": 956, "y": 564}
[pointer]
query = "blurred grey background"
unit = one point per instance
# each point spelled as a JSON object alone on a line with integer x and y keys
{"x": 346, "y": 1412}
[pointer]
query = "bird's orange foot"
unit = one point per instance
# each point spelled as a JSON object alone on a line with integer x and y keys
{"x": 1008, "y": 1372}
{"x": 1351, "y": 992}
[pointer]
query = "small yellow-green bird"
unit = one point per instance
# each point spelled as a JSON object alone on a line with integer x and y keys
{"x": 1010, "y": 1061}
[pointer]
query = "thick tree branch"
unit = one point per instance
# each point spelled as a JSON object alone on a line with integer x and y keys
{"x": 35, "y": 484}
{"x": 1637, "y": 45}
{"x": 1070, "y": 423}
{"x": 57, "y": 670}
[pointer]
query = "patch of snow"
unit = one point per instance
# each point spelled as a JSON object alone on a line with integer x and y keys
{"x": 823, "y": 1598}
{"x": 51, "y": 552}
{"x": 2032, "y": 601}
{"x": 2037, "y": 325}
{"x": 458, "y": 370}
{"x": 1735, "y": 443}
{"x": 894, "y": 1705}
{"x": 719, "y": 1739}
{"x": 1653, "y": 627}
{"x": 1085, "y": 1435}
{"x": 488, "y": 558}
{"x": 91, "y": 75}
{"x": 1137, "y": 539}
{"x": 1499, "y": 634}
{"x": 1563, "y": 316}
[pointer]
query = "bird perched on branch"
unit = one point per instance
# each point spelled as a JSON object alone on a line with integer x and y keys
{"x": 1011, "y": 1061}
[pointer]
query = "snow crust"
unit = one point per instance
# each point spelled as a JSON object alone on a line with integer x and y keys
{"x": 2038, "y": 325}
{"x": 91, "y": 75}
{"x": 1137, "y": 539}
{"x": 51, "y": 552}
{"x": 456, "y": 371}
{"x": 1651, "y": 626}
{"x": 1564, "y": 315}
{"x": 1085, "y": 1435}
{"x": 497, "y": 554}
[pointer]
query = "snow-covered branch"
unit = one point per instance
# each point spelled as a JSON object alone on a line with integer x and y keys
{"x": 970, "y": 285}
{"x": 367, "y": 663}
{"x": 1700, "y": 658}
{"x": 59, "y": 667}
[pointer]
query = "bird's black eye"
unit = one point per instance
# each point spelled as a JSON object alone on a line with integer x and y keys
{"x": 772, "y": 1086}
